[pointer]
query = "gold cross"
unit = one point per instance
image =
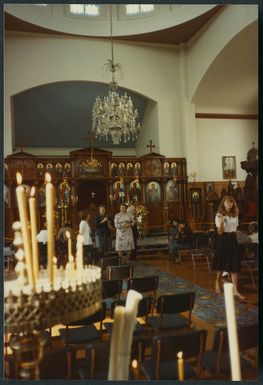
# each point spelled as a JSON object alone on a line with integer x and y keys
{"x": 151, "y": 146}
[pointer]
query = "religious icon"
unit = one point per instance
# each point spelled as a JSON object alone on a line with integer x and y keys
{"x": 113, "y": 169}
{"x": 166, "y": 168}
{"x": 49, "y": 168}
{"x": 121, "y": 169}
{"x": 129, "y": 169}
{"x": 42, "y": 196}
{"x": 67, "y": 169}
{"x": 171, "y": 191}
{"x": 137, "y": 169}
{"x": 64, "y": 193}
{"x": 135, "y": 194}
{"x": 6, "y": 168}
{"x": 40, "y": 169}
{"x": 153, "y": 192}
{"x": 6, "y": 194}
{"x": 229, "y": 167}
{"x": 195, "y": 196}
{"x": 58, "y": 168}
{"x": 118, "y": 192}
{"x": 173, "y": 168}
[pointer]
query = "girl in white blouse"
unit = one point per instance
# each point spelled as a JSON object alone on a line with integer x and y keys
{"x": 226, "y": 256}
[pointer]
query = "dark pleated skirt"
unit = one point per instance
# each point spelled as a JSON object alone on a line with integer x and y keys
{"x": 226, "y": 257}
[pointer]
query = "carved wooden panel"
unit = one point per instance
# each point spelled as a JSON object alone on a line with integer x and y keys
{"x": 152, "y": 167}
{"x": 26, "y": 167}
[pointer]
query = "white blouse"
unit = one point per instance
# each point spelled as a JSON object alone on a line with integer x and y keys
{"x": 230, "y": 223}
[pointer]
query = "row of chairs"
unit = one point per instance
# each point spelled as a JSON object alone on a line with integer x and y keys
{"x": 161, "y": 364}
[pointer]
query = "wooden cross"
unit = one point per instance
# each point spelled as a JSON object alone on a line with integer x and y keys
{"x": 151, "y": 146}
{"x": 22, "y": 145}
{"x": 253, "y": 144}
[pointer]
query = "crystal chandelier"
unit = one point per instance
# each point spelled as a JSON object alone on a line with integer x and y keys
{"x": 114, "y": 116}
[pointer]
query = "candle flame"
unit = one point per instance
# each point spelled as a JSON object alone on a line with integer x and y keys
{"x": 18, "y": 178}
{"x": 48, "y": 177}
{"x": 68, "y": 234}
{"x": 180, "y": 355}
{"x": 32, "y": 192}
{"x": 135, "y": 364}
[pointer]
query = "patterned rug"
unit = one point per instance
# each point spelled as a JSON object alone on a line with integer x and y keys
{"x": 208, "y": 306}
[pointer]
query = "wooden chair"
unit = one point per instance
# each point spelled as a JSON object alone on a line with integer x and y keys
{"x": 119, "y": 272}
{"x": 144, "y": 309}
{"x": 168, "y": 308}
{"x": 144, "y": 284}
{"x": 217, "y": 360}
{"x": 163, "y": 363}
{"x": 86, "y": 331}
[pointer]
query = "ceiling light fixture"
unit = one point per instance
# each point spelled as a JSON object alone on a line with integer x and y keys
{"x": 114, "y": 115}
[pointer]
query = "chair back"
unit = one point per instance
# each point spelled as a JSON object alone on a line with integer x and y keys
{"x": 110, "y": 261}
{"x": 57, "y": 364}
{"x": 97, "y": 356}
{"x": 166, "y": 347}
{"x": 247, "y": 338}
{"x": 119, "y": 272}
{"x": 144, "y": 307}
{"x": 144, "y": 284}
{"x": 175, "y": 303}
{"x": 203, "y": 240}
{"x": 111, "y": 288}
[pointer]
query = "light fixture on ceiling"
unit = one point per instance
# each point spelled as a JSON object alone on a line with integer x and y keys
{"x": 114, "y": 115}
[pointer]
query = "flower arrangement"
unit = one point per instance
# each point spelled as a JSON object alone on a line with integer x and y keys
{"x": 140, "y": 213}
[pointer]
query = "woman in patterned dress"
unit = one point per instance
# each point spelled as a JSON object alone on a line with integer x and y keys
{"x": 124, "y": 237}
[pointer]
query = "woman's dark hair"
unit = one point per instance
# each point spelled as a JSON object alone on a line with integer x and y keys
{"x": 234, "y": 210}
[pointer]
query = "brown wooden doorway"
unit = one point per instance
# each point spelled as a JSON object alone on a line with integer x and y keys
{"x": 91, "y": 194}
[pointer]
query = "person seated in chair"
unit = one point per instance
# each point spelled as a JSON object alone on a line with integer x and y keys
{"x": 184, "y": 239}
{"x": 253, "y": 229}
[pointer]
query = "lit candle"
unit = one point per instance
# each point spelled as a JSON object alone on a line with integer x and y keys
{"x": 116, "y": 337}
{"x": 69, "y": 243}
{"x": 232, "y": 332}
{"x": 23, "y": 215}
{"x": 33, "y": 224}
{"x": 50, "y": 225}
{"x": 131, "y": 309}
{"x": 180, "y": 363}
{"x": 79, "y": 258}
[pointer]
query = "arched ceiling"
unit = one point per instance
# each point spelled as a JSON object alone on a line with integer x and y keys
{"x": 232, "y": 79}
{"x": 62, "y": 113}
{"x": 166, "y": 26}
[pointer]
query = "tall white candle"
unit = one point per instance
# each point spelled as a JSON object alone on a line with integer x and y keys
{"x": 50, "y": 226}
{"x": 33, "y": 225}
{"x": 131, "y": 309}
{"x": 69, "y": 243}
{"x": 116, "y": 336}
{"x": 232, "y": 332}
{"x": 23, "y": 215}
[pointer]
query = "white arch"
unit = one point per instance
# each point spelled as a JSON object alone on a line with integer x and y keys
{"x": 204, "y": 49}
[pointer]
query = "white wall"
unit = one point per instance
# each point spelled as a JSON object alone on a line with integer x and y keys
{"x": 150, "y": 131}
{"x": 150, "y": 70}
{"x": 223, "y": 137}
